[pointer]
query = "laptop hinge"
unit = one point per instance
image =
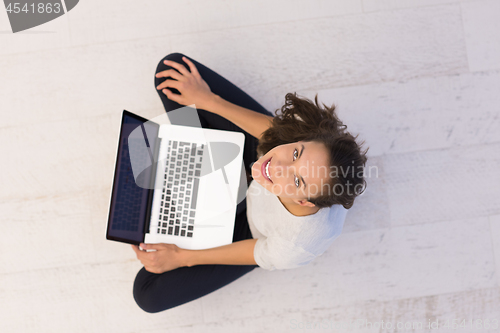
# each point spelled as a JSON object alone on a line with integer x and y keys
{"x": 152, "y": 181}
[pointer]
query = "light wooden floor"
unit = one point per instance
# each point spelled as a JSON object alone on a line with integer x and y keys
{"x": 419, "y": 80}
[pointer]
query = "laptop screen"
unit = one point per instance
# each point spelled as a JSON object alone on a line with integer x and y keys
{"x": 130, "y": 204}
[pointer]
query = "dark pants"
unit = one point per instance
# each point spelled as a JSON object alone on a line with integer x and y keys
{"x": 159, "y": 292}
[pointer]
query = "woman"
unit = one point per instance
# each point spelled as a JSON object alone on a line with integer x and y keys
{"x": 306, "y": 170}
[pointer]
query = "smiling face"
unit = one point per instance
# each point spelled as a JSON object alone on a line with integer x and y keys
{"x": 297, "y": 170}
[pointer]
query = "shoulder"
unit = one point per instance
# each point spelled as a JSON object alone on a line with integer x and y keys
{"x": 335, "y": 217}
{"x": 328, "y": 223}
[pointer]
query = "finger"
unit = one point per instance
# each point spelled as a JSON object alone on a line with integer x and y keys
{"x": 192, "y": 67}
{"x": 170, "y": 73}
{"x": 181, "y": 68}
{"x": 171, "y": 96}
{"x": 152, "y": 246}
{"x": 138, "y": 252}
{"x": 168, "y": 83}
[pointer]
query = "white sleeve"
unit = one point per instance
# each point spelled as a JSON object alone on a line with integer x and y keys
{"x": 272, "y": 253}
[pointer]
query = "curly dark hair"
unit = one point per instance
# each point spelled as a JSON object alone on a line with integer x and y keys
{"x": 301, "y": 120}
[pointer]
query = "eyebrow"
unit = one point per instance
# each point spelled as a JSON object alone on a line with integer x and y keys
{"x": 303, "y": 182}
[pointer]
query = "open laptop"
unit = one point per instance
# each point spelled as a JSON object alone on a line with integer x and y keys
{"x": 176, "y": 184}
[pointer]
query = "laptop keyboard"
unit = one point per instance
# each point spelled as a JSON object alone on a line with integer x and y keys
{"x": 178, "y": 199}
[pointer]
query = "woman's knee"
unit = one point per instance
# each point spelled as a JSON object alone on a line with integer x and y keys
{"x": 177, "y": 57}
{"x": 141, "y": 293}
{"x": 152, "y": 302}
{"x": 144, "y": 303}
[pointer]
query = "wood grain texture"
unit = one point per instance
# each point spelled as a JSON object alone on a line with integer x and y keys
{"x": 334, "y": 52}
{"x": 495, "y": 238}
{"x": 417, "y": 80}
{"x": 420, "y": 114}
{"x": 385, "y": 5}
{"x": 443, "y": 184}
{"x": 369, "y": 266}
{"x": 480, "y": 23}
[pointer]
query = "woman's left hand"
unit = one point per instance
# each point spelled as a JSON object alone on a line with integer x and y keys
{"x": 191, "y": 86}
{"x": 167, "y": 257}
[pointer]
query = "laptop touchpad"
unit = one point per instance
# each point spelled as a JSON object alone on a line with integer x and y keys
{"x": 214, "y": 198}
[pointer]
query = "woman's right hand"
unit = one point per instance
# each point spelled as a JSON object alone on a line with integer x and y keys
{"x": 193, "y": 89}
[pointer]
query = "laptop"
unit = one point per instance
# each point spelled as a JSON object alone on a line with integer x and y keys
{"x": 176, "y": 182}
